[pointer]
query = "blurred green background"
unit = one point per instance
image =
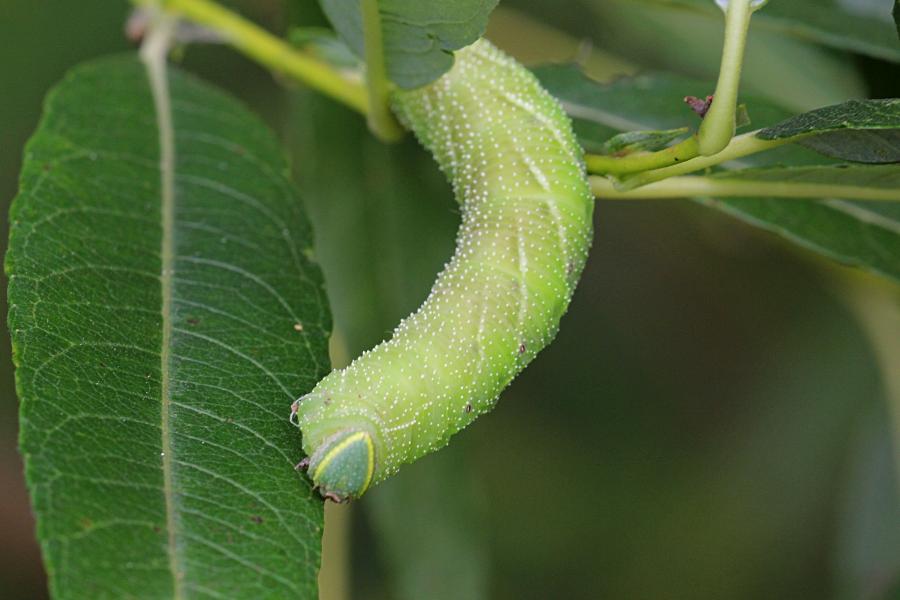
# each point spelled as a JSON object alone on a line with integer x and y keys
{"x": 713, "y": 421}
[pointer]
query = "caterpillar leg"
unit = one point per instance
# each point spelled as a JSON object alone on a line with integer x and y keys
{"x": 295, "y": 406}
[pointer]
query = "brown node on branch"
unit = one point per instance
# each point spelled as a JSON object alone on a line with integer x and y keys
{"x": 136, "y": 25}
{"x": 700, "y": 106}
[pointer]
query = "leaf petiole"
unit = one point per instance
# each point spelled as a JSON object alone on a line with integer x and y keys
{"x": 380, "y": 118}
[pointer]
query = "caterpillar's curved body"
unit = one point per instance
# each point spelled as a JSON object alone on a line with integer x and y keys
{"x": 507, "y": 147}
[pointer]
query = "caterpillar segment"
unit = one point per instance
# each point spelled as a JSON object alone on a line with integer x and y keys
{"x": 516, "y": 169}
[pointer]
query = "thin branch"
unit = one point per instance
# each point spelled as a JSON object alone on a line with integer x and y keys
{"x": 642, "y": 161}
{"x": 722, "y": 187}
{"x": 269, "y": 50}
{"x": 740, "y": 146}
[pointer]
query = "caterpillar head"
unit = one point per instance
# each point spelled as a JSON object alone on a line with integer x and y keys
{"x": 343, "y": 466}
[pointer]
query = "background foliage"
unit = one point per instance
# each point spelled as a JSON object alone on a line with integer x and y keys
{"x": 712, "y": 421}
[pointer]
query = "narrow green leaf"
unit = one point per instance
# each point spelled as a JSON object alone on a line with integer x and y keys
{"x": 865, "y": 234}
{"x": 742, "y": 117}
{"x": 419, "y": 37}
{"x": 627, "y": 104}
{"x": 854, "y": 26}
{"x": 853, "y": 233}
{"x": 857, "y": 130}
{"x": 654, "y": 101}
{"x": 791, "y": 71}
{"x": 325, "y": 44}
{"x": 164, "y": 313}
{"x": 641, "y": 141}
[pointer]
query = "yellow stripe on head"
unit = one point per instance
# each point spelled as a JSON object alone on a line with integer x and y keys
{"x": 344, "y": 466}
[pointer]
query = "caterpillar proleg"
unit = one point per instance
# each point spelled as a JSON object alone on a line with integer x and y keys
{"x": 516, "y": 169}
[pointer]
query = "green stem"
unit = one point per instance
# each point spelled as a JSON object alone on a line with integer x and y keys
{"x": 381, "y": 120}
{"x": 642, "y": 161}
{"x": 722, "y": 187}
{"x": 718, "y": 125}
{"x": 740, "y": 146}
{"x": 268, "y": 50}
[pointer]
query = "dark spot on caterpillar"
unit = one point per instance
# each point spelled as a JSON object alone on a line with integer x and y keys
{"x": 327, "y": 400}
{"x": 468, "y": 407}
{"x": 522, "y": 348}
{"x": 257, "y": 519}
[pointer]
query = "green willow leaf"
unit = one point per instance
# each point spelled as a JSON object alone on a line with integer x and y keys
{"x": 325, "y": 44}
{"x": 164, "y": 313}
{"x": 653, "y": 101}
{"x": 857, "y": 130}
{"x": 791, "y": 71}
{"x": 854, "y": 26}
{"x": 641, "y": 141}
{"x": 860, "y": 234}
{"x": 419, "y": 37}
{"x": 864, "y": 234}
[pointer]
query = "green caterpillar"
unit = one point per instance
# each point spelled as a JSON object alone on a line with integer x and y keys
{"x": 507, "y": 148}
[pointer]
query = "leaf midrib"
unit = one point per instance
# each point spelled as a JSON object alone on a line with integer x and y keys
{"x": 154, "y": 59}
